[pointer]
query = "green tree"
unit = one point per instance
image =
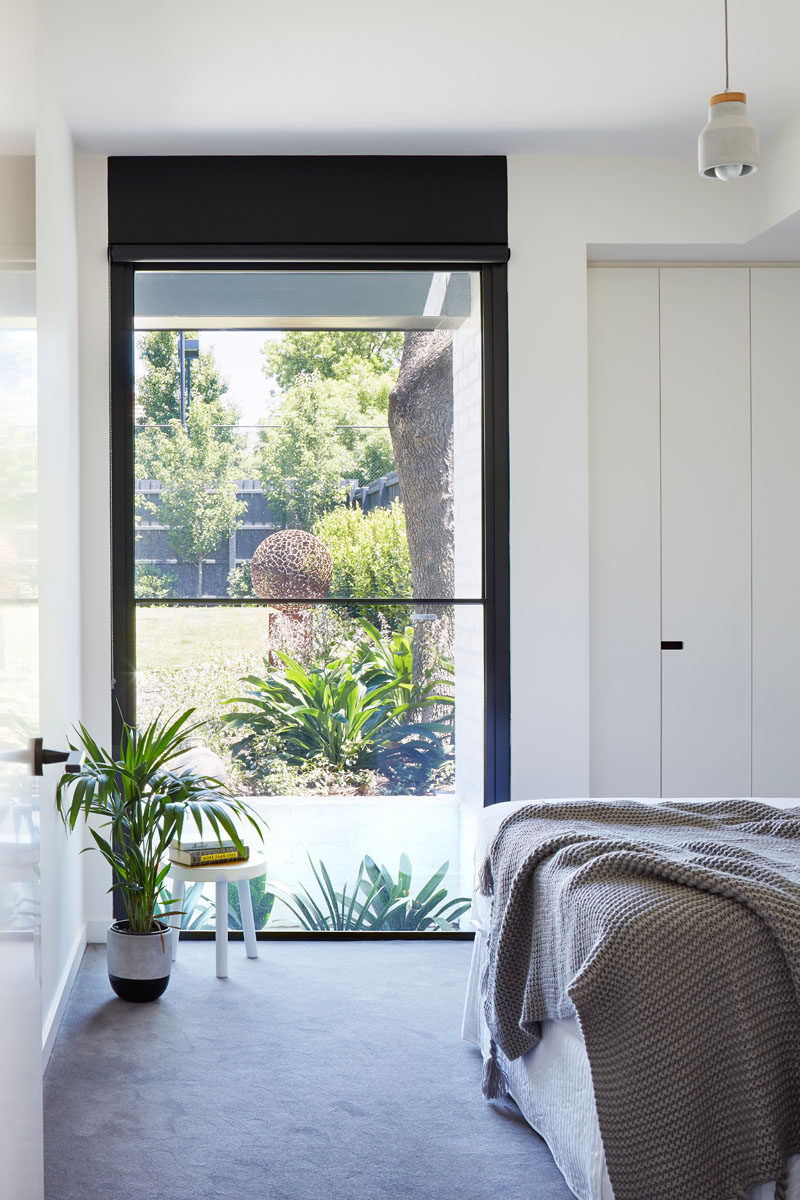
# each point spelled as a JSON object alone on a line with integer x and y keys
{"x": 326, "y": 429}
{"x": 158, "y": 395}
{"x": 158, "y": 388}
{"x": 198, "y": 465}
{"x": 198, "y": 471}
{"x": 331, "y": 354}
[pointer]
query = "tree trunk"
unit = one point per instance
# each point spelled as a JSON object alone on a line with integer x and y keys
{"x": 200, "y": 578}
{"x": 421, "y": 427}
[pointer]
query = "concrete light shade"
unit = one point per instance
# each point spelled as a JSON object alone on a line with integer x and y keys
{"x": 728, "y": 146}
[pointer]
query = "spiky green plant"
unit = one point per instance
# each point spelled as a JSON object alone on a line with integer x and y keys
{"x": 143, "y": 803}
{"x": 428, "y": 910}
{"x": 334, "y": 911}
{"x": 385, "y": 904}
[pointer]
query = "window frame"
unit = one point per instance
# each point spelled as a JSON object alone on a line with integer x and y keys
{"x": 124, "y": 261}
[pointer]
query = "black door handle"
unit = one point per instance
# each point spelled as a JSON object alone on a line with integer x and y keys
{"x": 72, "y": 759}
{"x": 37, "y": 758}
{"x": 672, "y": 645}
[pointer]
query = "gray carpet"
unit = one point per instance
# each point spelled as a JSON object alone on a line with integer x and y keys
{"x": 317, "y": 1072}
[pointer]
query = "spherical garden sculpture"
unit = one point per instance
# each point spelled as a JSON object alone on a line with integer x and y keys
{"x": 298, "y": 566}
{"x": 291, "y": 564}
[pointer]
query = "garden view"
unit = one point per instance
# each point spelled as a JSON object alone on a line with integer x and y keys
{"x": 374, "y": 719}
{"x": 324, "y": 507}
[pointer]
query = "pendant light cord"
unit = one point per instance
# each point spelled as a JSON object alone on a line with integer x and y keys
{"x": 727, "y": 85}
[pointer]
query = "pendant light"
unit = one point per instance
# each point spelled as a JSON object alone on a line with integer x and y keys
{"x": 728, "y": 146}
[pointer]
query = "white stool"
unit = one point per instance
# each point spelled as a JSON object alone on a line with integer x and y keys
{"x": 221, "y": 874}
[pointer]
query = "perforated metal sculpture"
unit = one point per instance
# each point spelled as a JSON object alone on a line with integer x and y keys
{"x": 291, "y": 564}
{"x": 296, "y": 565}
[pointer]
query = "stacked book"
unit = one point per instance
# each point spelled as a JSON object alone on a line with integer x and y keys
{"x": 205, "y": 854}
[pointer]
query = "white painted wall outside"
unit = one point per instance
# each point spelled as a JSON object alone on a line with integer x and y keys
{"x": 340, "y": 830}
{"x": 468, "y": 623}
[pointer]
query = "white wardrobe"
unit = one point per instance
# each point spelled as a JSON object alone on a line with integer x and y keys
{"x": 694, "y": 510}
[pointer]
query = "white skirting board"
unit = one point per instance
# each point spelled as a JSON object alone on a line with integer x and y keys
{"x": 97, "y": 931}
{"x": 52, "y": 1018}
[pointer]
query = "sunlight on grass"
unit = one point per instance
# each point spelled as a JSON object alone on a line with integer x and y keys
{"x": 194, "y": 658}
{"x": 169, "y": 638}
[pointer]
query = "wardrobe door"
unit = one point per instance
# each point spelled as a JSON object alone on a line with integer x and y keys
{"x": 705, "y": 524}
{"x": 624, "y": 567}
{"x": 776, "y": 519}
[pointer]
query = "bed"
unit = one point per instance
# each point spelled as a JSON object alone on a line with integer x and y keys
{"x": 552, "y": 1084}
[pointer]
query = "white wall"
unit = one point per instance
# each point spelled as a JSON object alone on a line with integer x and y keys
{"x": 94, "y": 494}
{"x": 17, "y": 223}
{"x": 558, "y": 206}
{"x": 60, "y": 532}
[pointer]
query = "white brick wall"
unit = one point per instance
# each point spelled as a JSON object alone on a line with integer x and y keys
{"x": 467, "y": 504}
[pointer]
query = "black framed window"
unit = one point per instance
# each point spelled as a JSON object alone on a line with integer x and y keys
{"x": 171, "y": 299}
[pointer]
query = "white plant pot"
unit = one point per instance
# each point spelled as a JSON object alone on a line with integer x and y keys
{"x": 139, "y": 963}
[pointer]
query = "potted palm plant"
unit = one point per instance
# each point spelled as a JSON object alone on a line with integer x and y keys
{"x": 143, "y": 799}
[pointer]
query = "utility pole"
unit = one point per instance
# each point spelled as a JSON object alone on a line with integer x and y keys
{"x": 188, "y": 348}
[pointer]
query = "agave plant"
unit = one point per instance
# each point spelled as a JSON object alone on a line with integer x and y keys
{"x": 353, "y": 714}
{"x": 385, "y": 904}
{"x": 335, "y": 911}
{"x": 428, "y": 910}
{"x": 144, "y": 801}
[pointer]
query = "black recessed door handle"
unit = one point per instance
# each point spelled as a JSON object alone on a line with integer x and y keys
{"x": 672, "y": 645}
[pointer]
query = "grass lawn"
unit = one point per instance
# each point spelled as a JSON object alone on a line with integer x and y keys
{"x": 169, "y": 638}
{"x": 194, "y": 658}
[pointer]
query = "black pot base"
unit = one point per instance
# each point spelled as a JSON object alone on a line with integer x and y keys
{"x": 138, "y": 991}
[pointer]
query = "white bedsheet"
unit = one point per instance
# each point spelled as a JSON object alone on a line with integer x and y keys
{"x": 552, "y": 1085}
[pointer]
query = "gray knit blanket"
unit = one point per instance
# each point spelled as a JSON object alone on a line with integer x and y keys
{"x": 673, "y": 931}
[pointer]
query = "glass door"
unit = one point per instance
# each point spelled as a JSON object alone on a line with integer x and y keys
{"x": 20, "y": 895}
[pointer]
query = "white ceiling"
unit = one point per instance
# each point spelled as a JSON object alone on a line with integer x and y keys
{"x": 438, "y": 76}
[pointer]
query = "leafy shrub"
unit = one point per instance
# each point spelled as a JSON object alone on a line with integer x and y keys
{"x": 152, "y": 584}
{"x": 345, "y": 712}
{"x": 258, "y": 769}
{"x": 370, "y": 558}
{"x": 240, "y": 582}
{"x": 208, "y": 680}
{"x": 386, "y": 904}
{"x": 390, "y": 660}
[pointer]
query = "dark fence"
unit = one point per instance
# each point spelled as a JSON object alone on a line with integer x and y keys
{"x": 156, "y": 558}
{"x": 381, "y": 493}
{"x": 154, "y": 555}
